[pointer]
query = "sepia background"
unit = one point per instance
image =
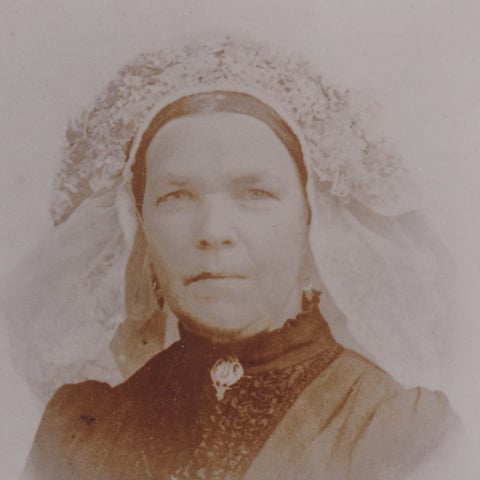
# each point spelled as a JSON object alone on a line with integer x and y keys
{"x": 419, "y": 59}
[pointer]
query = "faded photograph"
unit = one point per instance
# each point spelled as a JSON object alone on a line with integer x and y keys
{"x": 240, "y": 282}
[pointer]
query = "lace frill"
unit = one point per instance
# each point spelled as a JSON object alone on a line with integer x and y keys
{"x": 346, "y": 162}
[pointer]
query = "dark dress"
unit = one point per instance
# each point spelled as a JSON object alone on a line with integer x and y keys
{"x": 305, "y": 408}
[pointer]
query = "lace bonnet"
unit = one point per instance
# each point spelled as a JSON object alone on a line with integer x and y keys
{"x": 70, "y": 309}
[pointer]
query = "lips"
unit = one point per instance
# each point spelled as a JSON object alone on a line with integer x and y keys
{"x": 212, "y": 276}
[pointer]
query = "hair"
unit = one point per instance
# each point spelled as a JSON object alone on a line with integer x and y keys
{"x": 216, "y": 101}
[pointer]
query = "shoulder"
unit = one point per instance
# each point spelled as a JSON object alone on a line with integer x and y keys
{"x": 365, "y": 421}
{"x": 411, "y": 424}
{"x": 72, "y": 406}
{"x": 354, "y": 377}
{"x": 86, "y": 420}
{"x": 71, "y": 414}
{"x": 402, "y": 406}
{"x": 389, "y": 403}
{"x": 393, "y": 429}
{"x": 72, "y": 395}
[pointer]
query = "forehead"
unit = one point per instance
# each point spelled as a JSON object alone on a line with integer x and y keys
{"x": 218, "y": 144}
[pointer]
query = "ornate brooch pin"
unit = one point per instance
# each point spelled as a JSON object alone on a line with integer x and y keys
{"x": 224, "y": 373}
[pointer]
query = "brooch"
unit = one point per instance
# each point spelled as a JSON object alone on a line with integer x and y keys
{"x": 225, "y": 373}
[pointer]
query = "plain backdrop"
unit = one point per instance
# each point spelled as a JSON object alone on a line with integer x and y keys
{"x": 418, "y": 58}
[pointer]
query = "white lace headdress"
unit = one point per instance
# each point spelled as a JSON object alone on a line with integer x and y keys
{"x": 379, "y": 271}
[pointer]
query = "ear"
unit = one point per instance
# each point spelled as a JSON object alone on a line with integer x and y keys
{"x": 149, "y": 262}
{"x": 142, "y": 334}
{"x": 140, "y": 299}
{"x": 310, "y": 278}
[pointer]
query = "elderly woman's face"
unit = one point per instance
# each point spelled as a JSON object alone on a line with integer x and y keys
{"x": 225, "y": 218}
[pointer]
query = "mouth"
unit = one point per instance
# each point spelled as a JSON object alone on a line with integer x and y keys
{"x": 212, "y": 276}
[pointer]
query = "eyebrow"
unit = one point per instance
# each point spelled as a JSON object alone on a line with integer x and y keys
{"x": 259, "y": 180}
{"x": 177, "y": 180}
{"x": 259, "y": 177}
{"x": 249, "y": 178}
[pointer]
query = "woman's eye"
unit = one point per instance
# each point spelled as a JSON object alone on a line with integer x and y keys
{"x": 178, "y": 195}
{"x": 258, "y": 194}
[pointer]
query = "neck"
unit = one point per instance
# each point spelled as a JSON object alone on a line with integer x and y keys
{"x": 296, "y": 304}
{"x": 293, "y": 306}
{"x": 269, "y": 321}
{"x": 302, "y": 336}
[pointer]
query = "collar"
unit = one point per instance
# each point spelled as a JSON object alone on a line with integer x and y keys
{"x": 300, "y": 338}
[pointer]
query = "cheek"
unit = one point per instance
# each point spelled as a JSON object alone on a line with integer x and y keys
{"x": 278, "y": 245}
{"x": 166, "y": 242}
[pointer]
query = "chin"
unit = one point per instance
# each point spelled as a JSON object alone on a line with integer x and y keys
{"x": 213, "y": 334}
{"x": 218, "y": 321}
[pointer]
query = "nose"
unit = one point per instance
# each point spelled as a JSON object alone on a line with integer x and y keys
{"x": 215, "y": 226}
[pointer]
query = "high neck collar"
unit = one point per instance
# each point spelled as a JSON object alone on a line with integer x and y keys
{"x": 300, "y": 338}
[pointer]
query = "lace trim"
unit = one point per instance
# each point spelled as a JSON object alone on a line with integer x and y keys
{"x": 344, "y": 159}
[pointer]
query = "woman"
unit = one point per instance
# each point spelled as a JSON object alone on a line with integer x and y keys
{"x": 247, "y": 188}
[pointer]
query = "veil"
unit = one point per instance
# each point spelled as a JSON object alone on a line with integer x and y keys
{"x": 83, "y": 304}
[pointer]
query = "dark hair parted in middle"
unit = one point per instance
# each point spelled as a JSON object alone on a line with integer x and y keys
{"x": 211, "y": 102}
